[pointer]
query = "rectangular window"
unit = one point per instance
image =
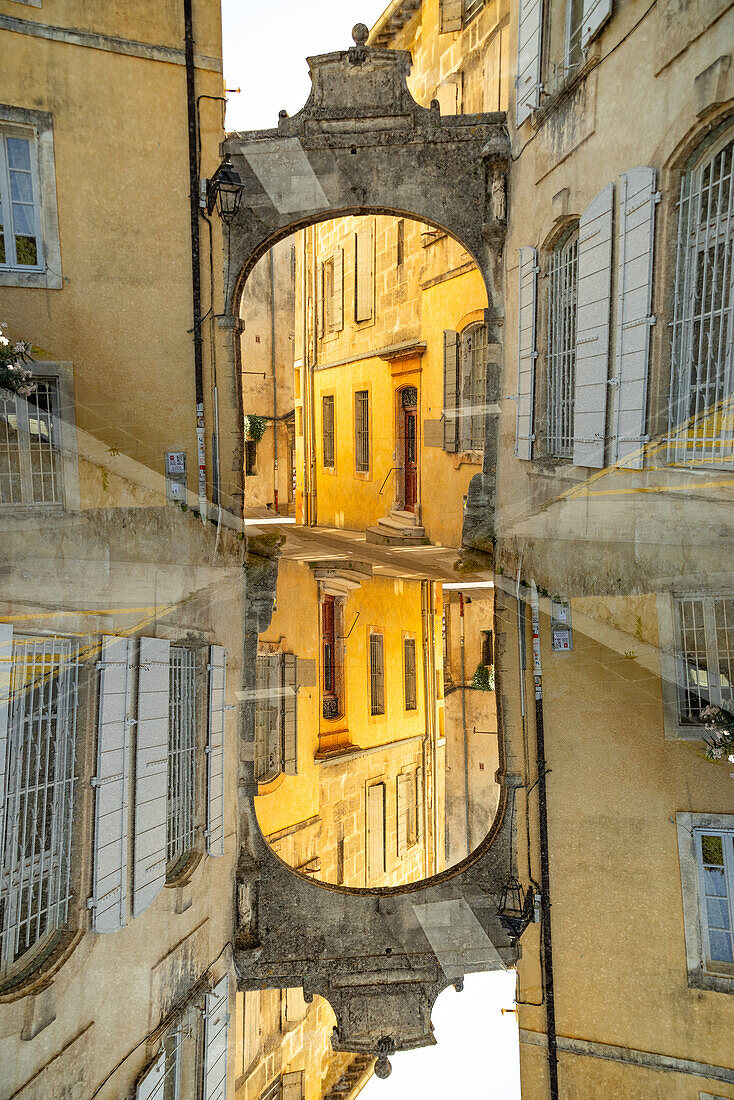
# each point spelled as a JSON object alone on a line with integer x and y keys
{"x": 30, "y": 462}
{"x": 181, "y": 805}
{"x": 250, "y": 458}
{"x": 327, "y": 431}
{"x": 362, "y": 431}
{"x": 473, "y": 385}
{"x": 472, "y": 8}
{"x": 20, "y": 222}
{"x": 35, "y": 859}
{"x": 409, "y": 674}
{"x": 377, "y": 674}
{"x": 487, "y": 647}
{"x": 715, "y": 856}
{"x": 329, "y": 659}
{"x": 705, "y": 655}
{"x": 400, "y": 254}
{"x": 375, "y": 831}
{"x": 573, "y": 54}
{"x": 276, "y": 716}
{"x": 562, "y": 293}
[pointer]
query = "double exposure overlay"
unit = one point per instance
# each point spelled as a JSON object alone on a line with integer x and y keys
{"x": 366, "y": 527}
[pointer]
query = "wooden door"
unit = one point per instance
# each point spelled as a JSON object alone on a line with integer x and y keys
{"x": 410, "y": 458}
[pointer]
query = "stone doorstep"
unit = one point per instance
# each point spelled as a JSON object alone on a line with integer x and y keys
{"x": 374, "y": 534}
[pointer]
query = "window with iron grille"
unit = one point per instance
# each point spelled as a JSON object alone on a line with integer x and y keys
{"x": 20, "y": 223}
{"x": 250, "y": 458}
{"x": 473, "y": 385}
{"x": 562, "y": 292}
{"x": 487, "y": 647}
{"x": 329, "y": 659}
{"x": 181, "y": 811}
{"x": 38, "y": 796}
{"x": 362, "y": 431}
{"x": 377, "y": 674}
{"x": 411, "y": 702}
{"x": 701, "y": 430}
{"x": 705, "y": 655}
{"x": 30, "y": 461}
{"x": 327, "y": 431}
{"x": 276, "y": 716}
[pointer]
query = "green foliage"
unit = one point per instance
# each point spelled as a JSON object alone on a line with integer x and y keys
{"x": 15, "y": 375}
{"x": 483, "y": 678}
{"x": 255, "y": 427}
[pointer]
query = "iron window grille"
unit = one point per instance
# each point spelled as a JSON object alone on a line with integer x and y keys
{"x": 715, "y": 858}
{"x": 377, "y": 674}
{"x": 701, "y": 409}
{"x": 472, "y": 8}
{"x": 30, "y": 467}
{"x": 562, "y": 297}
{"x": 362, "y": 431}
{"x": 38, "y": 799}
{"x": 181, "y": 815}
{"x": 329, "y": 685}
{"x": 474, "y": 382}
{"x": 20, "y": 236}
{"x": 327, "y": 431}
{"x": 705, "y": 655}
{"x": 411, "y": 700}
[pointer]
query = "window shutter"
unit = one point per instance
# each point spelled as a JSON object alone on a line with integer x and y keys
{"x": 262, "y": 715}
{"x": 111, "y": 810}
{"x": 403, "y": 785}
{"x": 216, "y": 1022}
{"x": 527, "y": 81}
{"x": 152, "y": 1084}
{"x": 527, "y": 351}
{"x": 376, "y": 829}
{"x": 320, "y": 300}
{"x": 451, "y": 12}
{"x": 6, "y": 669}
{"x": 364, "y": 285}
{"x": 275, "y": 712}
{"x": 215, "y": 752}
{"x": 592, "y": 330}
{"x": 596, "y": 13}
{"x": 337, "y": 311}
{"x": 450, "y": 390}
{"x": 637, "y": 203}
{"x": 151, "y": 771}
{"x": 290, "y": 715}
{"x": 419, "y": 802}
{"x": 292, "y": 1086}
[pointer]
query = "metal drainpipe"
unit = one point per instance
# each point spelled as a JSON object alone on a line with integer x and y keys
{"x": 195, "y": 251}
{"x": 275, "y": 381}
{"x": 463, "y": 724}
{"x": 545, "y": 905}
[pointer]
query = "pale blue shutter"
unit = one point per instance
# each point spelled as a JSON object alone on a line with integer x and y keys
{"x": 215, "y": 752}
{"x": 527, "y": 352}
{"x": 151, "y": 1085}
{"x": 595, "y": 15}
{"x": 216, "y": 1021}
{"x": 6, "y": 670}
{"x": 637, "y": 202}
{"x": 450, "y": 16}
{"x": 592, "y": 330}
{"x": 151, "y": 771}
{"x": 290, "y": 715}
{"x": 529, "y": 40}
{"x": 337, "y": 310}
{"x": 450, "y": 391}
{"x": 111, "y": 809}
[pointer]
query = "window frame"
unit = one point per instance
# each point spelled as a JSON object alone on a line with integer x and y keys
{"x": 410, "y": 641}
{"x": 330, "y": 399}
{"x": 377, "y": 684}
{"x": 560, "y": 262}
{"x": 472, "y": 362}
{"x": 8, "y": 232}
{"x": 40, "y": 125}
{"x": 362, "y": 465}
{"x": 689, "y": 825}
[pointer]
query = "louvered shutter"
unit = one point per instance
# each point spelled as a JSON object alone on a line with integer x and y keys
{"x": 216, "y": 1022}
{"x": 151, "y": 771}
{"x": 6, "y": 671}
{"x": 364, "y": 273}
{"x": 290, "y": 715}
{"x": 451, "y": 12}
{"x": 403, "y": 785}
{"x": 151, "y": 1085}
{"x": 376, "y": 829}
{"x": 337, "y": 309}
{"x": 262, "y": 718}
{"x": 637, "y": 203}
{"x": 527, "y": 353}
{"x": 419, "y": 803}
{"x": 111, "y": 809}
{"x": 596, "y": 13}
{"x": 450, "y": 390}
{"x": 215, "y": 752}
{"x": 292, "y": 1086}
{"x": 275, "y": 713}
{"x": 320, "y": 300}
{"x": 527, "y": 81}
{"x": 592, "y": 330}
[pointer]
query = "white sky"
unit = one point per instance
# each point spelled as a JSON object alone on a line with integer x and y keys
{"x": 266, "y": 43}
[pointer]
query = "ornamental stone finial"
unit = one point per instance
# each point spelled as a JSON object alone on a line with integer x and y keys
{"x": 360, "y": 34}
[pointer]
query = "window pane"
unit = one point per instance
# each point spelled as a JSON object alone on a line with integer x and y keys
{"x": 717, "y": 913}
{"x": 26, "y": 250}
{"x": 720, "y": 946}
{"x": 10, "y": 484}
{"x": 21, "y": 187}
{"x": 714, "y": 881}
{"x": 712, "y": 850}
{"x": 43, "y": 453}
{"x": 23, "y": 220}
{"x": 19, "y": 153}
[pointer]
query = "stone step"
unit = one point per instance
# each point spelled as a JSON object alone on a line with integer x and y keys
{"x": 410, "y": 531}
{"x": 383, "y": 537}
{"x": 405, "y": 517}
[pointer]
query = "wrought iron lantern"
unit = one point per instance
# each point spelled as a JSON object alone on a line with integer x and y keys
{"x": 224, "y": 190}
{"x": 511, "y": 910}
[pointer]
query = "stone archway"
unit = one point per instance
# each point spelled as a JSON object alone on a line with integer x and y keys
{"x": 361, "y": 143}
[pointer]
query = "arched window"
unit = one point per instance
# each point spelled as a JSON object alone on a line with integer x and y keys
{"x": 38, "y": 679}
{"x": 561, "y": 367}
{"x": 702, "y": 364}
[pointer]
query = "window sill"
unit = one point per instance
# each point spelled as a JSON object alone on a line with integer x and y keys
{"x": 44, "y": 280}
{"x": 567, "y": 88}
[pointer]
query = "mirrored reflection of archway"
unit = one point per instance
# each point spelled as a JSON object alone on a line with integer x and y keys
{"x": 376, "y": 739}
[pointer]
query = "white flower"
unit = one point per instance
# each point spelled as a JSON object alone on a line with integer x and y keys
{"x": 731, "y": 757}
{"x": 717, "y": 753}
{"x": 4, "y": 341}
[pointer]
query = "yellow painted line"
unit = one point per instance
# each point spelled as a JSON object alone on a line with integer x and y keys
{"x": 81, "y": 611}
